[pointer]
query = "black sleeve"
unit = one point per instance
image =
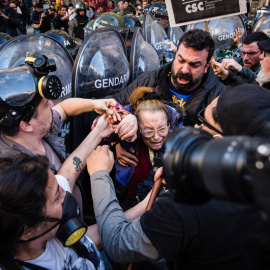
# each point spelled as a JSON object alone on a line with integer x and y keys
{"x": 170, "y": 226}
{"x": 145, "y": 79}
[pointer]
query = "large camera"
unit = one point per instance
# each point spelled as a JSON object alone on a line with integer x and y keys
{"x": 198, "y": 167}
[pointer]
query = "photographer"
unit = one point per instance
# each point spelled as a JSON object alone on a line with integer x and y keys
{"x": 47, "y": 21}
{"x": 36, "y": 17}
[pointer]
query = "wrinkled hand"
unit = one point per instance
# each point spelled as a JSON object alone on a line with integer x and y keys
{"x": 124, "y": 157}
{"x": 127, "y": 128}
{"x": 106, "y": 106}
{"x": 230, "y": 63}
{"x": 238, "y": 36}
{"x": 100, "y": 159}
{"x": 219, "y": 70}
{"x": 104, "y": 127}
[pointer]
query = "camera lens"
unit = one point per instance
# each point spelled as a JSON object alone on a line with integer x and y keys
{"x": 197, "y": 167}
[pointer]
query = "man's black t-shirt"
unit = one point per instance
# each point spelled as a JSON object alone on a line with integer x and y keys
{"x": 210, "y": 236}
{"x": 59, "y": 23}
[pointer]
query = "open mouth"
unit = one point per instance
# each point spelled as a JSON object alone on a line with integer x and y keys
{"x": 183, "y": 81}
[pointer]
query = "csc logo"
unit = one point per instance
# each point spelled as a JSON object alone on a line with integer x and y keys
{"x": 194, "y": 7}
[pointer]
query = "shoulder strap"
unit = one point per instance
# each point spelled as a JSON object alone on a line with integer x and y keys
{"x": 9, "y": 263}
{"x": 30, "y": 265}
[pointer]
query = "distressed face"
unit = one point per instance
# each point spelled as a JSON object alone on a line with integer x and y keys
{"x": 251, "y": 56}
{"x": 156, "y": 121}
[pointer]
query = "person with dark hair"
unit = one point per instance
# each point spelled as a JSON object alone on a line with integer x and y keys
{"x": 61, "y": 20}
{"x": 251, "y": 60}
{"x": 188, "y": 81}
{"x": 111, "y": 6}
{"x": 36, "y": 16}
{"x": 32, "y": 203}
{"x": 12, "y": 20}
{"x": 240, "y": 110}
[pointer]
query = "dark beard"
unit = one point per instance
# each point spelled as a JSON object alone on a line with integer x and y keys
{"x": 180, "y": 75}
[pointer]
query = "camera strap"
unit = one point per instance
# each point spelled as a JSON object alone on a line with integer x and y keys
{"x": 8, "y": 263}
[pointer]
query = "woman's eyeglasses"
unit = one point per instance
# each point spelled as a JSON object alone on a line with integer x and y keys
{"x": 149, "y": 133}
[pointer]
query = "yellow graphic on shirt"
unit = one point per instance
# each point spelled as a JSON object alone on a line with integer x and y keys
{"x": 181, "y": 102}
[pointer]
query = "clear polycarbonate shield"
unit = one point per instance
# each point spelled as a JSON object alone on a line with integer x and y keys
{"x": 66, "y": 40}
{"x": 101, "y": 70}
{"x": 4, "y": 38}
{"x": 261, "y": 12}
{"x": 18, "y": 86}
{"x": 154, "y": 34}
{"x": 13, "y": 53}
{"x": 101, "y": 67}
{"x": 174, "y": 34}
{"x": 199, "y": 25}
{"x": 222, "y": 30}
{"x": 143, "y": 56}
{"x": 89, "y": 28}
{"x": 263, "y": 25}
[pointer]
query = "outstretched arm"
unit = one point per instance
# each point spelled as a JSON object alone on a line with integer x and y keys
{"x": 123, "y": 240}
{"x": 75, "y": 163}
{"x": 76, "y": 106}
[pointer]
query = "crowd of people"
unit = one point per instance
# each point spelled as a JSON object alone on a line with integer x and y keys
{"x": 43, "y": 220}
{"x": 17, "y": 16}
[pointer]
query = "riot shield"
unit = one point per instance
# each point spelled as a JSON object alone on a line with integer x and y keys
{"x": 143, "y": 56}
{"x": 66, "y": 40}
{"x": 89, "y": 28}
{"x": 13, "y": 53}
{"x": 199, "y": 25}
{"x": 261, "y": 12}
{"x": 4, "y": 38}
{"x": 174, "y": 34}
{"x": 263, "y": 25}
{"x": 101, "y": 69}
{"x": 222, "y": 30}
{"x": 154, "y": 34}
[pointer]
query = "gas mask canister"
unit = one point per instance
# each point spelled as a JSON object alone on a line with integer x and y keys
{"x": 71, "y": 227}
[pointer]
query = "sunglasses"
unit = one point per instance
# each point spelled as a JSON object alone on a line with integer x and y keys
{"x": 201, "y": 120}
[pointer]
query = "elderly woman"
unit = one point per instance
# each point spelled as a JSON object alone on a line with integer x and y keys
{"x": 155, "y": 120}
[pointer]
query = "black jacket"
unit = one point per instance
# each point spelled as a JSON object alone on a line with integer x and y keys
{"x": 13, "y": 22}
{"x": 209, "y": 89}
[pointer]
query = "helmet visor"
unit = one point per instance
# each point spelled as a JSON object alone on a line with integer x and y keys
{"x": 17, "y": 86}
